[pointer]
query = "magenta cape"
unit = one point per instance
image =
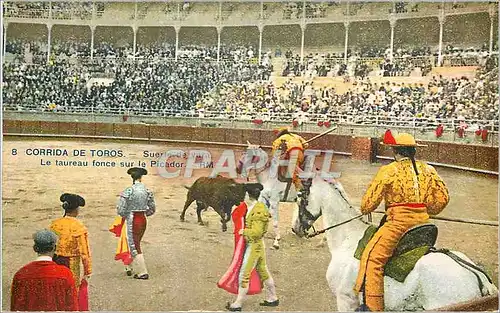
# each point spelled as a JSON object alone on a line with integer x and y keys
{"x": 230, "y": 280}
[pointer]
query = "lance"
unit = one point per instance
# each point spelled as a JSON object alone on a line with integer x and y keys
{"x": 326, "y": 132}
{"x": 322, "y": 134}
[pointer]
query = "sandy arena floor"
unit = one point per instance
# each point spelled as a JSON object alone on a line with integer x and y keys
{"x": 186, "y": 260}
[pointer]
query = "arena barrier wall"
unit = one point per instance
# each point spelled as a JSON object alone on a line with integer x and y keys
{"x": 468, "y": 157}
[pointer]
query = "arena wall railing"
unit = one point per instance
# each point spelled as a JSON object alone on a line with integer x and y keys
{"x": 351, "y": 124}
{"x": 357, "y": 143}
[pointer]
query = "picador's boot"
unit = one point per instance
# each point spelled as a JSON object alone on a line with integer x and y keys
{"x": 375, "y": 303}
{"x": 140, "y": 264}
{"x": 362, "y": 308}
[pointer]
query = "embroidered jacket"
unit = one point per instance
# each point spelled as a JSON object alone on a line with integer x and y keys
{"x": 293, "y": 141}
{"x": 73, "y": 240}
{"x": 397, "y": 184}
{"x": 136, "y": 199}
{"x": 256, "y": 223}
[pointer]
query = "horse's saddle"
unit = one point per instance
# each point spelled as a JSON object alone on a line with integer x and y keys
{"x": 414, "y": 244}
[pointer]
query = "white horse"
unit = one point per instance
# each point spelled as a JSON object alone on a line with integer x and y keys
{"x": 436, "y": 280}
{"x": 274, "y": 189}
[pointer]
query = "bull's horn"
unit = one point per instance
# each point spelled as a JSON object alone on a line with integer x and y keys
{"x": 187, "y": 187}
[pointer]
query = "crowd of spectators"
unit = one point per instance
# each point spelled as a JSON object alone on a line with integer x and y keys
{"x": 139, "y": 86}
{"x": 332, "y": 65}
{"x": 72, "y": 10}
{"x": 471, "y": 99}
{"x": 60, "y": 10}
{"x": 459, "y": 56}
{"x": 238, "y": 90}
{"x": 36, "y": 51}
{"x": 240, "y": 87}
{"x": 30, "y": 51}
{"x": 295, "y": 10}
{"x": 321, "y": 65}
{"x": 418, "y": 60}
{"x": 26, "y": 9}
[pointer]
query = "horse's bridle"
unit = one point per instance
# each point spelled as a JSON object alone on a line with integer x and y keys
{"x": 307, "y": 219}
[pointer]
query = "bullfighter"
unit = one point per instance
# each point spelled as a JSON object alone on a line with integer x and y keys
{"x": 135, "y": 204}
{"x": 295, "y": 146}
{"x": 411, "y": 190}
{"x": 73, "y": 244}
{"x": 256, "y": 223}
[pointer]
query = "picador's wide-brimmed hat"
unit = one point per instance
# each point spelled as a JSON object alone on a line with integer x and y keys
{"x": 400, "y": 140}
{"x": 282, "y": 130}
{"x": 71, "y": 201}
{"x": 137, "y": 171}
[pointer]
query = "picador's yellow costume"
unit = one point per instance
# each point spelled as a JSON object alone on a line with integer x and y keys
{"x": 295, "y": 146}
{"x": 412, "y": 190}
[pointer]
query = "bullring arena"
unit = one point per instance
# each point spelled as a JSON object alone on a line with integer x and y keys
{"x": 185, "y": 260}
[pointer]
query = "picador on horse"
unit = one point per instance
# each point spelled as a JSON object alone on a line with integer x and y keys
{"x": 292, "y": 147}
{"x": 411, "y": 190}
{"x": 401, "y": 248}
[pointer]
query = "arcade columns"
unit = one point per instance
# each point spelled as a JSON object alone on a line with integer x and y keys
{"x": 346, "y": 41}
{"x": 177, "y": 30}
{"x": 392, "y": 21}
{"x": 49, "y": 39}
{"x": 440, "y": 51}
{"x": 219, "y": 31}
{"x": 492, "y": 14}
{"x": 135, "y": 29}
{"x": 303, "y": 28}
{"x": 261, "y": 30}
{"x": 5, "y": 27}
{"x": 92, "y": 35}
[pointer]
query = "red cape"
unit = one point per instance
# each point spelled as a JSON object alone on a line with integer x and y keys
{"x": 83, "y": 296}
{"x": 230, "y": 280}
{"x": 43, "y": 286}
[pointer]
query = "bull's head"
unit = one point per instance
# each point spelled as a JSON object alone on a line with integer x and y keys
{"x": 235, "y": 195}
{"x": 238, "y": 191}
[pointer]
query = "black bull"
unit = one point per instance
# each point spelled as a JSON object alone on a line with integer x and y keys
{"x": 219, "y": 193}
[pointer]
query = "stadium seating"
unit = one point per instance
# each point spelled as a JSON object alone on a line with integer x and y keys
{"x": 196, "y": 80}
